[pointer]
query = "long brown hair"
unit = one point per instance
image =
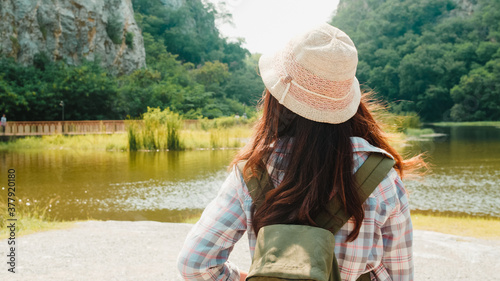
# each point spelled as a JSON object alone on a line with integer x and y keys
{"x": 319, "y": 165}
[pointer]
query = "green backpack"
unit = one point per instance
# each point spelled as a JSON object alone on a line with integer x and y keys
{"x": 301, "y": 252}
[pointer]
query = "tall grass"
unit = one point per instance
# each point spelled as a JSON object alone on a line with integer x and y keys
{"x": 165, "y": 130}
{"x": 225, "y": 122}
{"x": 159, "y": 130}
{"x": 32, "y": 216}
{"x": 232, "y": 137}
{"x": 133, "y": 142}
{"x": 114, "y": 142}
{"x": 158, "y": 134}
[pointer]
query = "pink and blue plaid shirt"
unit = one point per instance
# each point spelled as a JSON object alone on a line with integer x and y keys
{"x": 384, "y": 244}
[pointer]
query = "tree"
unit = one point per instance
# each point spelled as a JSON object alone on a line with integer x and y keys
{"x": 415, "y": 53}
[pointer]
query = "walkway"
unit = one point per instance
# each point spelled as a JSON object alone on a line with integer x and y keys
{"x": 40, "y": 128}
{"x": 146, "y": 250}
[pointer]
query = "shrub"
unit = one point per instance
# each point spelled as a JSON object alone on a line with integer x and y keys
{"x": 115, "y": 28}
{"x": 160, "y": 130}
{"x": 129, "y": 40}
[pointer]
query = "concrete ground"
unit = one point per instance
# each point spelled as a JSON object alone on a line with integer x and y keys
{"x": 146, "y": 250}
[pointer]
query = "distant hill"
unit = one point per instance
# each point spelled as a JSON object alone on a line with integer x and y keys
{"x": 112, "y": 59}
{"x": 439, "y": 58}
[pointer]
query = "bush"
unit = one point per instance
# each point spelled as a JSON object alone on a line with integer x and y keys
{"x": 409, "y": 120}
{"x": 129, "y": 40}
{"x": 132, "y": 132}
{"x": 159, "y": 130}
{"x": 224, "y": 122}
{"x": 115, "y": 28}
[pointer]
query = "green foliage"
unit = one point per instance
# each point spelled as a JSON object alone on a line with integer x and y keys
{"x": 16, "y": 47}
{"x": 191, "y": 69}
{"x": 412, "y": 132}
{"x": 189, "y": 31}
{"x": 43, "y": 30}
{"x": 129, "y": 40}
{"x": 87, "y": 91}
{"x": 35, "y": 92}
{"x": 225, "y": 122}
{"x": 132, "y": 131}
{"x": 160, "y": 129}
{"x": 428, "y": 56}
{"x": 477, "y": 96}
{"x": 245, "y": 84}
{"x": 211, "y": 73}
{"x": 114, "y": 28}
{"x": 409, "y": 120}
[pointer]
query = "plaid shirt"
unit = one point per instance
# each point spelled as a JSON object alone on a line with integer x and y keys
{"x": 384, "y": 244}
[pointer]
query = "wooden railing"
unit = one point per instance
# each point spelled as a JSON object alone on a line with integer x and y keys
{"x": 39, "y": 128}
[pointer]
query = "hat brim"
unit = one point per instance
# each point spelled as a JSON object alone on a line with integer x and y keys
{"x": 272, "y": 72}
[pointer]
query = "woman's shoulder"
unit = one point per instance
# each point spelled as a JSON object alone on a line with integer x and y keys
{"x": 391, "y": 191}
{"x": 360, "y": 145}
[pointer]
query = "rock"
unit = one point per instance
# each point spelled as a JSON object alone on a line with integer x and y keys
{"x": 72, "y": 31}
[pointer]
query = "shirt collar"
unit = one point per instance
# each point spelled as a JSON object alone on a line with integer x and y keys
{"x": 362, "y": 145}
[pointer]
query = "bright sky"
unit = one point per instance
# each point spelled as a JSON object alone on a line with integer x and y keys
{"x": 268, "y": 24}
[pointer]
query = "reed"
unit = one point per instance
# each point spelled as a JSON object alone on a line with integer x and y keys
{"x": 233, "y": 137}
{"x": 31, "y": 217}
{"x": 159, "y": 130}
{"x": 166, "y": 130}
{"x": 410, "y": 132}
{"x": 138, "y": 137}
{"x": 225, "y": 122}
{"x": 112, "y": 142}
{"x": 133, "y": 142}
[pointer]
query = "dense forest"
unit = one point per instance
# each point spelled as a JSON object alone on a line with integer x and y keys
{"x": 439, "y": 58}
{"x": 191, "y": 69}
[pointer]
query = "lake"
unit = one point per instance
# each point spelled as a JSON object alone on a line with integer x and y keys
{"x": 173, "y": 186}
{"x": 465, "y": 176}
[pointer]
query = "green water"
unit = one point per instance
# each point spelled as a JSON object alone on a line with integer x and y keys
{"x": 160, "y": 186}
{"x": 465, "y": 176}
{"x": 172, "y": 186}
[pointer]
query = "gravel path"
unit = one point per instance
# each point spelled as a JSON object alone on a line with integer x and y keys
{"x": 122, "y": 250}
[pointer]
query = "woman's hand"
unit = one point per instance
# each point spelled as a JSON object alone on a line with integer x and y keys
{"x": 243, "y": 276}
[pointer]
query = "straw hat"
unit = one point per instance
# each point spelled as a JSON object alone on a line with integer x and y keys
{"x": 314, "y": 75}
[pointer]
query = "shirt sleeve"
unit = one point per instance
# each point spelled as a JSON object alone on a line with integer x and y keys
{"x": 397, "y": 237}
{"x": 205, "y": 253}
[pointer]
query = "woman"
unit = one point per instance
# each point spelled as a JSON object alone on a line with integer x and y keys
{"x": 315, "y": 132}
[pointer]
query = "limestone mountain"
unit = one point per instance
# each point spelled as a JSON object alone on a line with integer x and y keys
{"x": 72, "y": 31}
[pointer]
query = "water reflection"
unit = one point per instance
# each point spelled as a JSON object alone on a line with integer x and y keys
{"x": 466, "y": 172}
{"x": 116, "y": 185}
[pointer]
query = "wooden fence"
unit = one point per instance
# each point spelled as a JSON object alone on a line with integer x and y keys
{"x": 40, "y": 128}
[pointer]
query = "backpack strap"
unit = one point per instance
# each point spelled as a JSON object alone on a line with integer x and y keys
{"x": 258, "y": 185}
{"x": 368, "y": 177}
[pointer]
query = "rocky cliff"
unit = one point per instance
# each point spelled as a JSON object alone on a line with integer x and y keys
{"x": 72, "y": 30}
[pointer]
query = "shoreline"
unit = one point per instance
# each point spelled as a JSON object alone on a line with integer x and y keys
{"x": 462, "y": 226}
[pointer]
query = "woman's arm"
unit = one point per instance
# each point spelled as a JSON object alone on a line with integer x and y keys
{"x": 205, "y": 253}
{"x": 397, "y": 239}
